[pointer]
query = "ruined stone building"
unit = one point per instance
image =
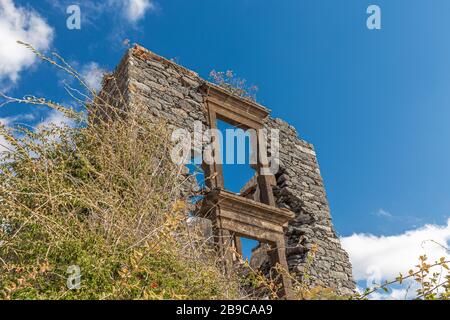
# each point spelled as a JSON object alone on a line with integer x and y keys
{"x": 289, "y": 209}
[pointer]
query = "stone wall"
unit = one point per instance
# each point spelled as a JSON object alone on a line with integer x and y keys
{"x": 300, "y": 189}
{"x": 161, "y": 89}
{"x": 165, "y": 89}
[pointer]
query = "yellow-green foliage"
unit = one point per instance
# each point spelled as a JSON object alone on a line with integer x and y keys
{"x": 432, "y": 281}
{"x": 104, "y": 197}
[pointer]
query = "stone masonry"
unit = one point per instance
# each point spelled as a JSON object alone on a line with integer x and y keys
{"x": 162, "y": 89}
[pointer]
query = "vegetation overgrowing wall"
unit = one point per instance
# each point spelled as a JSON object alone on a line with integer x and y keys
{"x": 168, "y": 91}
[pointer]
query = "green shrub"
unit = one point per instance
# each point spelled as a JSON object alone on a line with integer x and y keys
{"x": 104, "y": 197}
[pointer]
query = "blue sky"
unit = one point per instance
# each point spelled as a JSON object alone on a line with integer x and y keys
{"x": 375, "y": 103}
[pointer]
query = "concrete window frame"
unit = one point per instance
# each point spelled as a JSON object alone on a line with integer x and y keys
{"x": 235, "y": 216}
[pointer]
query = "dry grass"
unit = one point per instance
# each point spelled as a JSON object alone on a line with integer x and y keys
{"x": 104, "y": 197}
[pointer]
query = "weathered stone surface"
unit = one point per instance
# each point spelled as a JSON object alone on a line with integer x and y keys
{"x": 159, "y": 87}
{"x": 312, "y": 227}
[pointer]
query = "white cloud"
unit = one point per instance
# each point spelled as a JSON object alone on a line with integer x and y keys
{"x": 136, "y": 9}
{"x": 4, "y": 144}
{"x": 393, "y": 254}
{"x": 131, "y": 10}
{"x": 93, "y": 75}
{"x": 52, "y": 117}
{"x": 55, "y": 118}
{"x": 380, "y": 258}
{"x": 383, "y": 213}
{"x": 9, "y": 121}
{"x": 19, "y": 23}
{"x": 407, "y": 293}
